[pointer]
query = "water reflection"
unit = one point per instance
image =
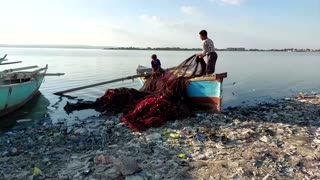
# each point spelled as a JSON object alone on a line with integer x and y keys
{"x": 253, "y": 77}
{"x": 35, "y": 109}
{"x": 57, "y": 113}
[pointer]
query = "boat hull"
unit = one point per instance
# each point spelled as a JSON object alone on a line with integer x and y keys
{"x": 206, "y": 94}
{"x": 14, "y": 96}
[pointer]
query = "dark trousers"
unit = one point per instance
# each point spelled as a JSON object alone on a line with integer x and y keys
{"x": 203, "y": 67}
{"x": 211, "y": 64}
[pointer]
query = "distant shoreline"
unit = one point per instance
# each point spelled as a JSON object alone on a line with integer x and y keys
{"x": 54, "y": 46}
{"x": 154, "y": 49}
{"x": 226, "y": 49}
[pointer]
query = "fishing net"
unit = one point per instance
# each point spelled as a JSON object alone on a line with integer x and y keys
{"x": 162, "y": 98}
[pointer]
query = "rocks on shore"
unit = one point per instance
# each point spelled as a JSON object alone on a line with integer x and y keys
{"x": 267, "y": 141}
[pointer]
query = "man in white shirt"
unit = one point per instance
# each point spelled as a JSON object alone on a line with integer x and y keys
{"x": 209, "y": 51}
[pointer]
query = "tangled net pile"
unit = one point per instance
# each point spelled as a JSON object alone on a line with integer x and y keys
{"x": 161, "y": 98}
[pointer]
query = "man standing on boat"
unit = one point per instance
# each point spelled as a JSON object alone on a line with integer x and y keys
{"x": 209, "y": 51}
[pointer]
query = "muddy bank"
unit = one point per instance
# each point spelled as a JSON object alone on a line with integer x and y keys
{"x": 266, "y": 141}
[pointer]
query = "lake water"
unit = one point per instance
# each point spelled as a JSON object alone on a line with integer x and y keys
{"x": 253, "y": 77}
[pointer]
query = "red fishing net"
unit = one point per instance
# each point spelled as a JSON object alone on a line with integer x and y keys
{"x": 166, "y": 103}
{"x": 161, "y": 98}
{"x": 118, "y": 100}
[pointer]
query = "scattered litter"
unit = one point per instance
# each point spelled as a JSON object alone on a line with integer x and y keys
{"x": 200, "y": 137}
{"x": 264, "y": 139}
{"x": 182, "y": 155}
{"x": 317, "y": 141}
{"x": 269, "y": 141}
{"x": 103, "y": 159}
{"x": 37, "y": 172}
{"x": 174, "y": 135}
{"x": 126, "y": 165}
{"x": 153, "y": 137}
{"x": 233, "y": 164}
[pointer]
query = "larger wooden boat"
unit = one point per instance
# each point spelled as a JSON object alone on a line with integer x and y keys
{"x": 204, "y": 91}
{"x": 17, "y": 88}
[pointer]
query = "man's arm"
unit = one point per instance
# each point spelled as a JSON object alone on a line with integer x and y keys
{"x": 205, "y": 50}
{"x": 152, "y": 67}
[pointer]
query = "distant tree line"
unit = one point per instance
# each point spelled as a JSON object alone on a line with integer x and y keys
{"x": 199, "y": 49}
{"x": 157, "y": 49}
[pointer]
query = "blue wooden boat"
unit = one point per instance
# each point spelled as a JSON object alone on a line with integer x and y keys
{"x": 205, "y": 92}
{"x": 17, "y": 88}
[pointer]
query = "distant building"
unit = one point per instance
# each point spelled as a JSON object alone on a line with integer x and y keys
{"x": 236, "y": 49}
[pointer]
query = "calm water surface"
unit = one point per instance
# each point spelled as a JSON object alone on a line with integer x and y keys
{"x": 253, "y": 77}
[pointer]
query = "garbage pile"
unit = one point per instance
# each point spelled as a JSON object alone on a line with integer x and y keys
{"x": 267, "y": 141}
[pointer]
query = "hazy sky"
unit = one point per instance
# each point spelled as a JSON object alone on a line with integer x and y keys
{"x": 155, "y": 23}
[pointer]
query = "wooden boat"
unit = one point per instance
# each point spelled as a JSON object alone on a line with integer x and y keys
{"x": 3, "y": 59}
{"x": 205, "y": 92}
{"x": 17, "y": 88}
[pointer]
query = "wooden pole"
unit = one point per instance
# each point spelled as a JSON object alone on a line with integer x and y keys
{"x": 15, "y": 62}
{"x": 98, "y": 84}
{"x": 106, "y": 82}
{"x": 17, "y": 69}
{"x": 4, "y": 58}
{"x": 54, "y": 74}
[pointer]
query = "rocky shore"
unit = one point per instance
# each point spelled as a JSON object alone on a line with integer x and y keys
{"x": 267, "y": 141}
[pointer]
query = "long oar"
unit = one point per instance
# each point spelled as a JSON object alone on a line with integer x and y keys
{"x": 98, "y": 84}
{"x": 15, "y": 62}
{"x": 54, "y": 74}
{"x": 105, "y": 82}
{"x": 108, "y": 82}
{"x": 17, "y": 69}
